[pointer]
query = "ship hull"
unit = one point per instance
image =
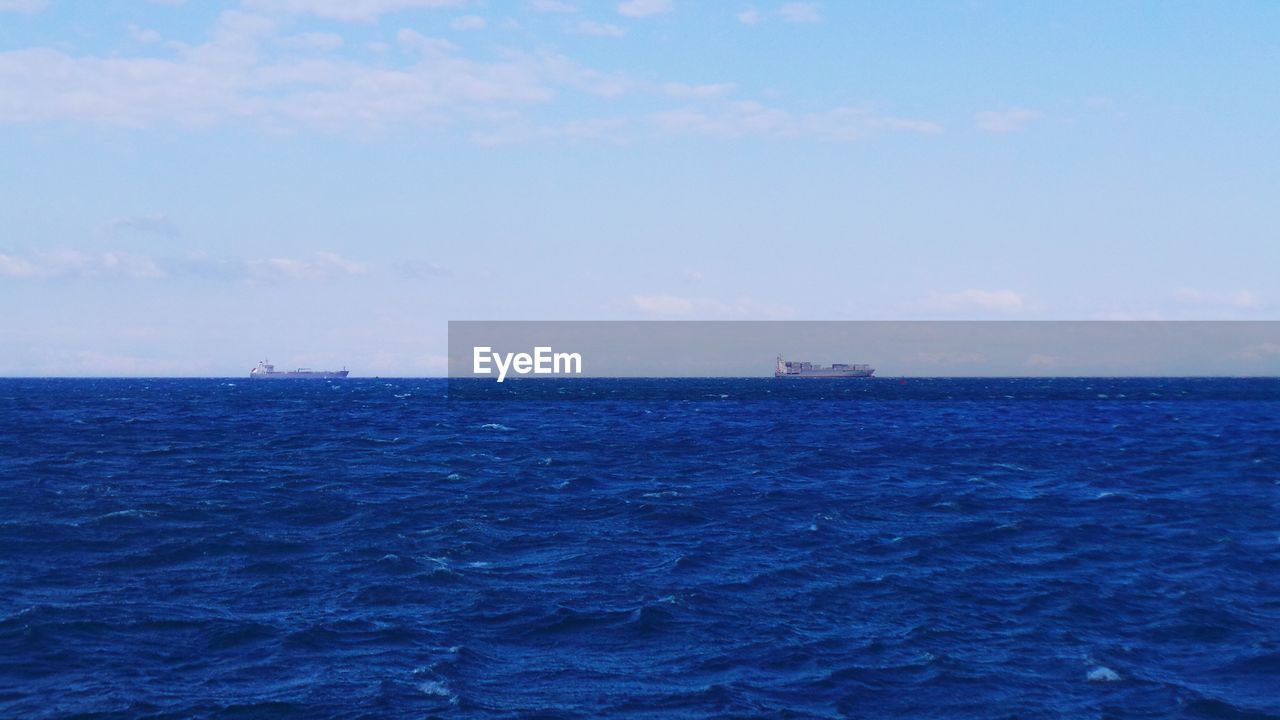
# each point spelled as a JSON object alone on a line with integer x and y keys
{"x": 819, "y": 374}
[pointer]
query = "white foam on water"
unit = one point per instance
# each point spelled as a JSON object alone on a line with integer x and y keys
{"x": 1103, "y": 673}
{"x": 437, "y": 688}
{"x": 131, "y": 512}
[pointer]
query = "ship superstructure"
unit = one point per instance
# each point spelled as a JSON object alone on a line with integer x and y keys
{"x": 796, "y": 369}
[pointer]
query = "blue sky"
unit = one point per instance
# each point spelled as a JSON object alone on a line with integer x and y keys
{"x": 189, "y": 187}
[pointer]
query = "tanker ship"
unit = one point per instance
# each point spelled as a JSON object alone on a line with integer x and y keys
{"x": 267, "y": 371}
{"x": 794, "y": 369}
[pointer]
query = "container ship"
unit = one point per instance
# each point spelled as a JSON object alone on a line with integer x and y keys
{"x": 267, "y": 371}
{"x": 794, "y": 369}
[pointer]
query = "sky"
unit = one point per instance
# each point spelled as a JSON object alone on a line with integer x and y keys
{"x": 189, "y": 187}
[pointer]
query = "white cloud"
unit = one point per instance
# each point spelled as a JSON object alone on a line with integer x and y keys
{"x": 662, "y": 304}
{"x": 551, "y": 6}
{"x": 365, "y": 11}
{"x": 749, "y": 17}
{"x": 313, "y": 41}
{"x": 644, "y": 8}
{"x": 468, "y": 22}
{"x": 243, "y": 73}
{"x": 17, "y": 267}
{"x": 61, "y": 264}
{"x": 415, "y": 270}
{"x": 414, "y": 40}
{"x": 27, "y": 7}
{"x": 1009, "y": 120}
{"x": 800, "y": 12}
{"x": 1236, "y": 299}
{"x": 144, "y": 35}
{"x": 591, "y": 27}
{"x": 159, "y": 225}
{"x": 320, "y": 266}
{"x": 1127, "y": 315}
{"x": 609, "y": 129}
{"x": 686, "y": 307}
{"x": 228, "y": 78}
{"x": 76, "y": 263}
{"x": 683, "y": 91}
{"x": 748, "y": 118}
{"x": 999, "y": 301}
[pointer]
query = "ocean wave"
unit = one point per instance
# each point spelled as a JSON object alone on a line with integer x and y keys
{"x": 328, "y": 551}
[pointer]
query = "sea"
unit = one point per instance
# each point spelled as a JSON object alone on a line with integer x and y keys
{"x": 896, "y": 548}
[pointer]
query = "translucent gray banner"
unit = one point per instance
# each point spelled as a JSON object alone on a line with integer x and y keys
{"x": 846, "y": 357}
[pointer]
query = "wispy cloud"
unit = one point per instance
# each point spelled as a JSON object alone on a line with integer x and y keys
{"x": 800, "y": 12}
{"x": 749, "y": 118}
{"x": 749, "y": 17}
{"x": 363, "y": 11}
{"x": 320, "y": 266}
{"x": 27, "y": 7}
{"x": 1234, "y": 299}
{"x": 144, "y": 35}
{"x": 1008, "y": 120}
{"x": 644, "y": 8}
{"x": 997, "y": 301}
{"x": 598, "y": 29}
{"x": 551, "y": 6}
{"x": 415, "y": 270}
{"x": 77, "y": 263}
{"x": 65, "y": 264}
{"x": 596, "y": 129}
{"x": 468, "y": 22}
{"x": 675, "y": 306}
{"x": 313, "y": 41}
{"x": 227, "y": 78}
{"x": 685, "y": 91}
{"x": 669, "y": 305}
{"x": 249, "y": 71}
{"x": 158, "y": 225}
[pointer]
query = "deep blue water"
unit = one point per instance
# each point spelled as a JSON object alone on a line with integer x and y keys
{"x": 366, "y": 548}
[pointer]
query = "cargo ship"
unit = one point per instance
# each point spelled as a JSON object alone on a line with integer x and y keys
{"x": 267, "y": 371}
{"x": 794, "y": 369}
